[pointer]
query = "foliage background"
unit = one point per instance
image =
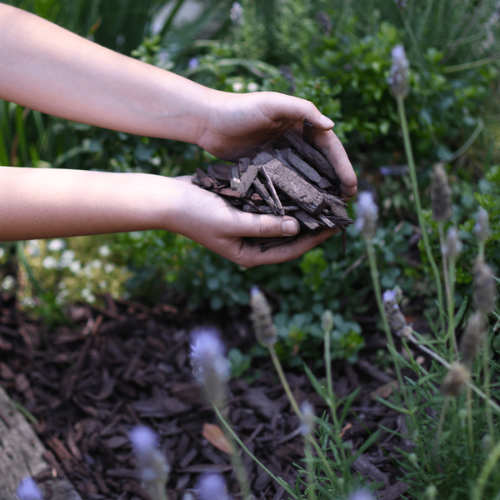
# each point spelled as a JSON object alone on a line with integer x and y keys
{"x": 336, "y": 54}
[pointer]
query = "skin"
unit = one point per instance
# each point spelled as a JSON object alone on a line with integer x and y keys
{"x": 49, "y": 69}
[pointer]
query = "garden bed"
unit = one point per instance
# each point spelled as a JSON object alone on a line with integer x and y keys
{"x": 89, "y": 384}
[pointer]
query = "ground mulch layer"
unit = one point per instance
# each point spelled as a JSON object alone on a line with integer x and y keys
{"x": 125, "y": 364}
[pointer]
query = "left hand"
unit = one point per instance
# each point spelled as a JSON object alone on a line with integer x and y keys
{"x": 238, "y": 123}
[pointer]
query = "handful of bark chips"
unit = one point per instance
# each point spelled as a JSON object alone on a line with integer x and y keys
{"x": 287, "y": 177}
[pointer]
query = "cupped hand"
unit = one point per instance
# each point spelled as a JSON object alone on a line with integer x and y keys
{"x": 239, "y": 123}
{"x": 211, "y": 221}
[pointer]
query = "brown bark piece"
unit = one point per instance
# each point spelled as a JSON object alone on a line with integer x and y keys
{"x": 220, "y": 171}
{"x": 294, "y": 186}
{"x": 302, "y": 167}
{"x": 262, "y": 158}
{"x": 261, "y": 189}
{"x": 312, "y": 156}
{"x": 362, "y": 464}
{"x": 326, "y": 221}
{"x": 308, "y": 221}
{"x": 272, "y": 190}
{"x": 243, "y": 164}
{"x": 230, "y": 193}
{"x": 206, "y": 181}
{"x": 307, "y": 131}
{"x": 247, "y": 178}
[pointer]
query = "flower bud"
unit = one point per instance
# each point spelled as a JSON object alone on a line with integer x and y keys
{"x": 455, "y": 379}
{"x": 28, "y": 490}
{"x": 398, "y": 79}
{"x": 327, "y": 321}
{"x": 472, "y": 338}
{"x": 395, "y": 317}
{"x": 482, "y": 226}
{"x": 440, "y": 194}
{"x": 453, "y": 245}
{"x": 307, "y": 411}
{"x": 431, "y": 492}
{"x": 484, "y": 286}
{"x": 367, "y": 215}
{"x": 151, "y": 462}
{"x": 262, "y": 319}
{"x": 212, "y": 487}
{"x": 362, "y": 495}
{"x": 210, "y": 366}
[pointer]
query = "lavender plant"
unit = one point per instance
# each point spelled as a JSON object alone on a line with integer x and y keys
{"x": 28, "y": 490}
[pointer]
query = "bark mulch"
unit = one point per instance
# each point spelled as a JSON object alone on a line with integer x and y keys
{"x": 128, "y": 364}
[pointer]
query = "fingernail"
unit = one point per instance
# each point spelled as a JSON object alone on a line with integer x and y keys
{"x": 290, "y": 227}
{"x": 326, "y": 122}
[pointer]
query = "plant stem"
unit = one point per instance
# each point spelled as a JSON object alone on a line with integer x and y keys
{"x": 445, "y": 268}
{"x": 229, "y": 429}
{"x": 487, "y": 390}
{"x": 451, "y": 310}
{"x": 378, "y": 296}
{"x": 329, "y": 383}
{"x": 488, "y": 467}
{"x": 469, "y": 420}
{"x": 284, "y": 382}
{"x": 310, "y": 470}
{"x": 416, "y": 195}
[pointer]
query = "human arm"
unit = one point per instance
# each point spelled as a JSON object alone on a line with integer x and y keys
{"x": 50, "y": 203}
{"x": 47, "y": 68}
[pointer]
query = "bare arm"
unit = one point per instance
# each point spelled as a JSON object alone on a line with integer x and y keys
{"x": 49, "y": 203}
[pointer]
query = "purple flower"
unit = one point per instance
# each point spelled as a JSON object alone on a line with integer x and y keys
{"x": 28, "y": 490}
{"x": 367, "y": 215}
{"x": 193, "y": 63}
{"x": 398, "y": 79}
{"x": 143, "y": 440}
{"x": 236, "y": 14}
{"x": 212, "y": 487}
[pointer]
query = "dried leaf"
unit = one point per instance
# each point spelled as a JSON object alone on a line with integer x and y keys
{"x": 385, "y": 390}
{"x": 213, "y": 434}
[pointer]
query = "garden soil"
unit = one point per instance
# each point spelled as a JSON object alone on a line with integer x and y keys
{"x": 125, "y": 364}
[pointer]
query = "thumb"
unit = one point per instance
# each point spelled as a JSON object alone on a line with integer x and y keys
{"x": 267, "y": 226}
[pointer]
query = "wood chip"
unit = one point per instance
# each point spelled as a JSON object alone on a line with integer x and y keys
{"x": 247, "y": 179}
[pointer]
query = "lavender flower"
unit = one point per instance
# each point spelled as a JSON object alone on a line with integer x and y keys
{"x": 212, "y": 487}
{"x": 362, "y": 495}
{"x": 28, "y": 490}
{"x": 193, "y": 63}
{"x": 236, "y": 14}
{"x": 262, "y": 319}
{"x": 484, "y": 287}
{"x": 455, "y": 379}
{"x": 453, "y": 245}
{"x": 367, "y": 215}
{"x": 210, "y": 367}
{"x": 398, "y": 79}
{"x": 472, "y": 338}
{"x": 482, "y": 226}
{"x": 151, "y": 462}
{"x": 395, "y": 317}
{"x": 307, "y": 411}
{"x": 327, "y": 321}
{"x": 440, "y": 194}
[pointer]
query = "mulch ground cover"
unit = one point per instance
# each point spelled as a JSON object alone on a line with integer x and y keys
{"x": 127, "y": 364}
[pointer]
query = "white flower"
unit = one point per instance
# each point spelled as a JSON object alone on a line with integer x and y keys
{"x": 103, "y": 284}
{"x": 28, "y": 490}
{"x": 8, "y": 283}
{"x": 252, "y": 87}
{"x": 28, "y": 302}
{"x": 237, "y": 87}
{"x": 307, "y": 411}
{"x": 212, "y": 487}
{"x": 398, "y": 79}
{"x": 50, "y": 262}
{"x": 109, "y": 268}
{"x": 67, "y": 257}
{"x": 87, "y": 295}
{"x": 87, "y": 271}
{"x": 2, "y": 252}
{"x": 453, "y": 246}
{"x": 104, "y": 251}
{"x": 75, "y": 267}
{"x": 56, "y": 245}
{"x": 96, "y": 264}
{"x": 482, "y": 226}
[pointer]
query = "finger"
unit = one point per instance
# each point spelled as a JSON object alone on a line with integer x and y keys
{"x": 262, "y": 226}
{"x": 251, "y": 255}
{"x": 295, "y": 109}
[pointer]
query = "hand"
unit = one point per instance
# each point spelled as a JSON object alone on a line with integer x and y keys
{"x": 238, "y": 123}
{"x": 211, "y": 221}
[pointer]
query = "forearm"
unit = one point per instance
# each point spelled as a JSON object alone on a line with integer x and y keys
{"x": 49, "y": 203}
{"x": 49, "y": 69}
